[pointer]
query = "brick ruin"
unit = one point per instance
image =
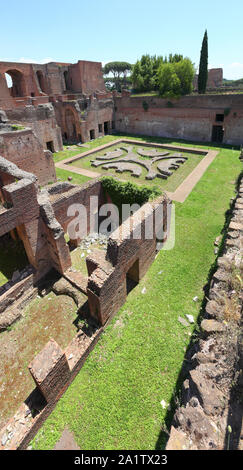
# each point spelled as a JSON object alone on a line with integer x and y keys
{"x": 46, "y": 106}
{"x": 215, "y": 79}
{"x": 64, "y": 102}
{"x": 58, "y": 101}
{"x": 40, "y": 218}
{"x": 202, "y": 118}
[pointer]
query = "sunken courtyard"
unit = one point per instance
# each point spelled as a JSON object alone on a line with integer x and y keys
{"x": 75, "y": 286}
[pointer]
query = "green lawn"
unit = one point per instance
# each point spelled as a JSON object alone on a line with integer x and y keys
{"x": 115, "y": 400}
{"x": 71, "y": 150}
{"x": 76, "y": 178}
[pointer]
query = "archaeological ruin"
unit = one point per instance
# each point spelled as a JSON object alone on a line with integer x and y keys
{"x": 43, "y": 108}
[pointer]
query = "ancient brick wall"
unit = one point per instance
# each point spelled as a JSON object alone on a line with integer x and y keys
{"x": 24, "y": 83}
{"x": 24, "y": 149}
{"x": 215, "y": 79}
{"x": 191, "y": 117}
{"x": 130, "y": 251}
{"x": 212, "y": 369}
{"x": 86, "y": 77}
{"x": 77, "y": 123}
{"x": 77, "y": 195}
{"x": 30, "y": 212}
{"x": 42, "y": 120}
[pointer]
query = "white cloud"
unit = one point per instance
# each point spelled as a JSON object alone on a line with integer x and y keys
{"x": 236, "y": 64}
{"x": 25, "y": 60}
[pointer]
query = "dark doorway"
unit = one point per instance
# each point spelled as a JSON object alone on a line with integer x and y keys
{"x": 70, "y": 121}
{"x": 92, "y": 134}
{"x": 217, "y": 134}
{"x": 132, "y": 276}
{"x": 106, "y": 127}
{"x": 50, "y": 146}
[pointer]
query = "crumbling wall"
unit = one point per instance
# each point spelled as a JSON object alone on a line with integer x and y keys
{"x": 32, "y": 215}
{"x": 77, "y": 117}
{"x": 130, "y": 251}
{"x": 42, "y": 120}
{"x": 77, "y": 195}
{"x": 215, "y": 79}
{"x": 210, "y": 415}
{"x": 24, "y": 149}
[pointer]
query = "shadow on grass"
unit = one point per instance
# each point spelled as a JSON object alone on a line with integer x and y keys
{"x": 13, "y": 257}
{"x": 193, "y": 347}
{"x": 165, "y": 140}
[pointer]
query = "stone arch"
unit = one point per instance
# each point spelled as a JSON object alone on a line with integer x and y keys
{"x": 17, "y": 88}
{"x": 41, "y": 81}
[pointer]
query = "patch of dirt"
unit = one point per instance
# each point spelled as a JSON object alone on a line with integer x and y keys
{"x": 66, "y": 442}
{"x": 45, "y": 318}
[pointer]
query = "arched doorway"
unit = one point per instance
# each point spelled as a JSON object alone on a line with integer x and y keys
{"x": 16, "y": 83}
{"x": 41, "y": 80}
{"x": 70, "y": 126}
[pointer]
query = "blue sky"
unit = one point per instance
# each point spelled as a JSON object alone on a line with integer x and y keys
{"x": 65, "y": 31}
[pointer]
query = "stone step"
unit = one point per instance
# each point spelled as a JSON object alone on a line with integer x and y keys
{"x": 77, "y": 279}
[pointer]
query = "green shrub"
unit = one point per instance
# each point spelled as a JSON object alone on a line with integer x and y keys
{"x": 128, "y": 193}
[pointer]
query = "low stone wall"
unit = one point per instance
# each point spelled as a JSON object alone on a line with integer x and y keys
{"x": 211, "y": 413}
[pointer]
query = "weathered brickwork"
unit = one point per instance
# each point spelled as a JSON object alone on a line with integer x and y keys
{"x": 129, "y": 253}
{"x": 42, "y": 120}
{"x": 24, "y": 149}
{"x": 83, "y": 107}
{"x": 210, "y": 403}
{"x": 215, "y": 79}
{"x": 190, "y": 117}
{"x": 50, "y": 370}
{"x": 26, "y": 209}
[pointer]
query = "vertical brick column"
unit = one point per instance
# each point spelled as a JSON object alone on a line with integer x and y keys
{"x": 50, "y": 370}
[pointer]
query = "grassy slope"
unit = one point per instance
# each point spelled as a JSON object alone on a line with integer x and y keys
{"x": 114, "y": 402}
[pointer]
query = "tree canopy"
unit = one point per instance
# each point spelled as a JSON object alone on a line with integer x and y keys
{"x": 172, "y": 76}
{"x": 119, "y": 70}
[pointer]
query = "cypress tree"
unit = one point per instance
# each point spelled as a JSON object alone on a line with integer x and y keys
{"x": 203, "y": 66}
